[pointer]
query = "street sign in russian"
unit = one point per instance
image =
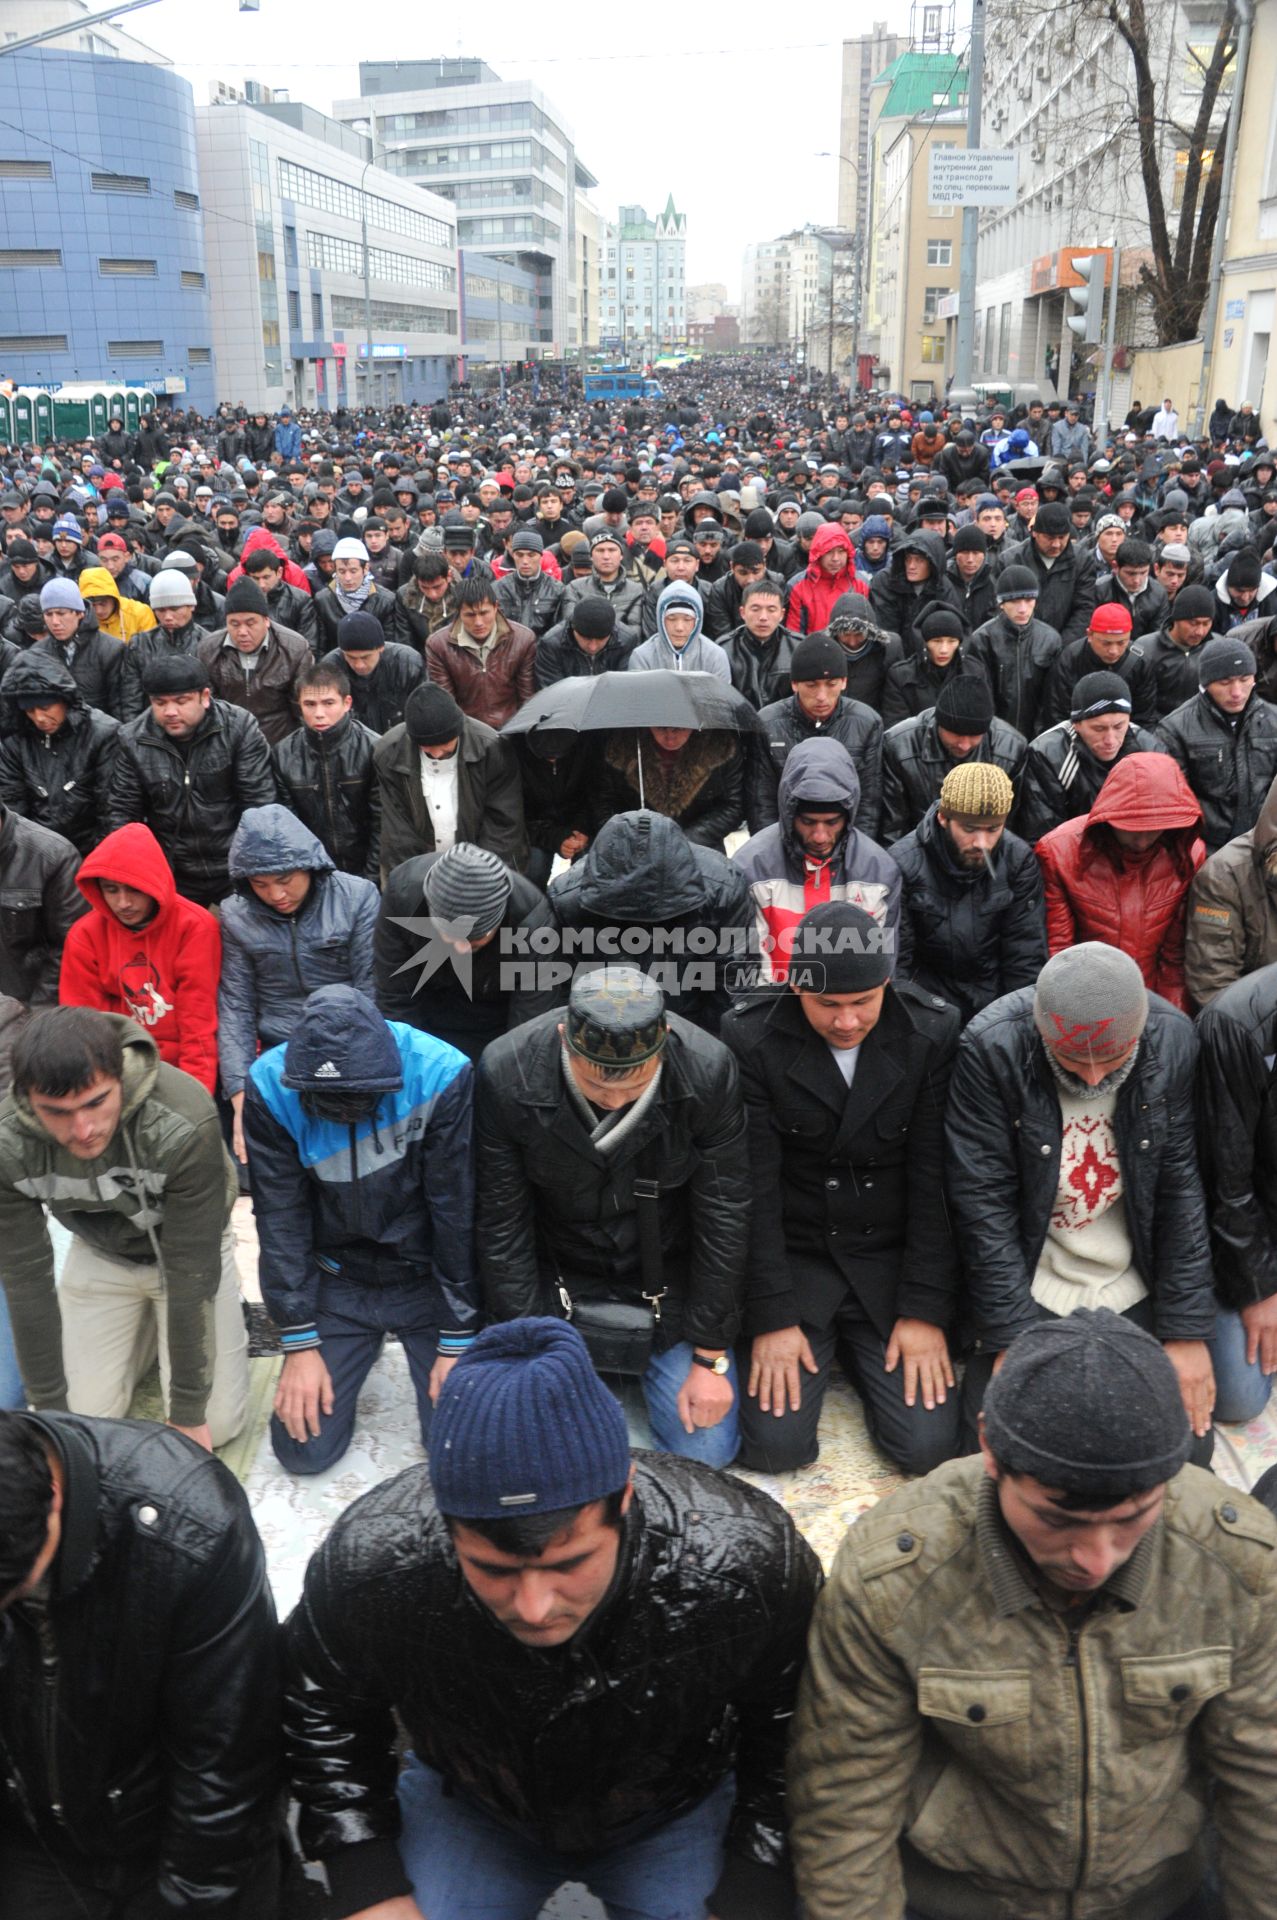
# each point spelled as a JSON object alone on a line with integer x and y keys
{"x": 972, "y": 177}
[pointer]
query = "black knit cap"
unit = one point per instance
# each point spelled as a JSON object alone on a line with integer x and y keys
{"x": 594, "y": 618}
{"x": 942, "y": 623}
{"x": 432, "y": 716}
{"x": 1088, "y": 1405}
{"x": 965, "y": 704}
{"x": 818, "y": 658}
{"x": 839, "y": 948}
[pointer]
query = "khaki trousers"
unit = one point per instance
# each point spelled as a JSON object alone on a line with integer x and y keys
{"x": 115, "y": 1322}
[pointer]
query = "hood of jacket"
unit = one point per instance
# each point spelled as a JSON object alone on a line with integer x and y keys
{"x": 875, "y": 527}
{"x": 262, "y": 537}
{"x": 680, "y": 596}
{"x": 31, "y": 674}
{"x": 133, "y": 856}
{"x": 95, "y": 583}
{"x": 640, "y": 868}
{"x": 272, "y": 839}
{"x": 341, "y": 1044}
{"x": 929, "y": 545}
{"x": 825, "y": 540}
{"x": 141, "y": 1065}
{"x": 816, "y": 773}
{"x": 710, "y": 500}
{"x": 1144, "y": 792}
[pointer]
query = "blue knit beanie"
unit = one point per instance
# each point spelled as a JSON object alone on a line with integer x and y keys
{"x": 524, "y": 1425}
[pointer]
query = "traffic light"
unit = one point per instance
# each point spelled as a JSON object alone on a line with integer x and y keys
{"x": 1089, "y": 324}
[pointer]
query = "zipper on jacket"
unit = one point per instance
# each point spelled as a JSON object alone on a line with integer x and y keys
{"x": 297, "y": 965}
{"x": 49, "y": 1672}
{"x": 1073, "y": 1659}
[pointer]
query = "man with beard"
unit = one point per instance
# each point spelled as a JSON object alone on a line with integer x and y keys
{"x": 972, "y": 893}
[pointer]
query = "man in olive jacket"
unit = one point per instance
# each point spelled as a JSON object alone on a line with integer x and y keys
{"x": 1038, "y": 1677}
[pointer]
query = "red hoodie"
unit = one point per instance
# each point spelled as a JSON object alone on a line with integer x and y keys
{"x": 812, "y": 597}
{"x": 263, "y": 537}
{"x": 163, "y": 975}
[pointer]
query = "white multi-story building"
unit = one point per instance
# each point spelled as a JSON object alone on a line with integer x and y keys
{"x": 86, "y": 31}
{"x": 505, "y": 157}
{"x": 1064, "y": 105}
{"x": 705, "y": 302}
{"x": 644, "y": 302}
{"x": 863, "y": 59}
{"x": 291, "y": 198}
{"x": 765, "y": 294}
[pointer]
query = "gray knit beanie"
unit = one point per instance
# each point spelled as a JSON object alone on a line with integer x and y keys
{"x": 1088, "y": 1405}
{"x": 468, "y": 883}
{"x": 1091, "y": 1000}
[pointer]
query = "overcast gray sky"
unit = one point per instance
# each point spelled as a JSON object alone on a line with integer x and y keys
{"x": 727, "y": 109}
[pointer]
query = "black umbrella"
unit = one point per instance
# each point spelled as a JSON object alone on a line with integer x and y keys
{"x": 659, "y": 698}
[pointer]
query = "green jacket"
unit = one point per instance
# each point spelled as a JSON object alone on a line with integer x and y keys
{"x": 956, "y": 1740}
{"x": 161, "y": 1194}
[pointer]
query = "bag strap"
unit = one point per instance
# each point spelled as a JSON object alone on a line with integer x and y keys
{"x": 647, "y": 1194}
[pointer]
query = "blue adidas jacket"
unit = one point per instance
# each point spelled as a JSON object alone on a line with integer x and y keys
{"x": 389, "y": 1199}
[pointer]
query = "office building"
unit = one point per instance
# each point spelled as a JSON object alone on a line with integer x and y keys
{"x": 644, "y": 306}
{"x": 103, "y": 271}
{"x": 504, "y": 157}
{"x": 291, "y": 199}
{"x": 863, "y": 59}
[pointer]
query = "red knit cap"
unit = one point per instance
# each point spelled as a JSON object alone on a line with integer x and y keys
{"x": 1111, "y": 619}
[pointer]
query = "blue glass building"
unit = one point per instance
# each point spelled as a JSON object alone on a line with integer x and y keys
{"x": 102, "y": 267}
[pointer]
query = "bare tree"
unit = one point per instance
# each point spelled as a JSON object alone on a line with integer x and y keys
{"x": 1131, "y": 132}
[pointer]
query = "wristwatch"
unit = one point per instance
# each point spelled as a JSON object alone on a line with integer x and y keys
{"x": 719, "y": 1364}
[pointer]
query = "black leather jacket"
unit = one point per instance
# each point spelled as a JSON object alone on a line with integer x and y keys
{"x": 687, "y": 1670}
{"x": 1229, "y": 767}
{"x": 1003, "y": 1140}
{"x": 536, "y": 604}
{"x": 554, "y": 1208}
{"x": 328, "y": 781}
{"x": 1237, "y": 1135}
{"x": 914, "y": 765}
{"x": 140, "y": 1705}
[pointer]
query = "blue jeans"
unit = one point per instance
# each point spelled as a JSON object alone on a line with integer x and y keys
{"x": 11, "y": 1389}
{"x": 712, "y": 1446}
{"x": 353, "y": 1321}
{"x": 465, "y": 1866}
{"x": 1241, "y": 1391}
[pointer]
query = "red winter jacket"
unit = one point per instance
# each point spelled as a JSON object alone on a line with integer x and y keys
{"x": 812, "y": 597}
{"x": 165, "y": 974}
{"x": 263, "y": 537}
{"x": 1136, "y": 902}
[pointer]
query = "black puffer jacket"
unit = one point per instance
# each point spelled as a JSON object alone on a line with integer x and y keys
{"x": 1237, "y": 1135}
{"x": 1017, "y": 663}
{"x": 38, "y": 902}
{"x": 381, "y": 603}
{"x": 643, "y": 872}
{"x": 913, "y": 685}
{"x": 688, "y": 1669}
{"x": 58, "y": 779}
{"x": 1066, "y": 591}
{"x": 328, "y": 781}
{"x": 1003, "y": 1139}
{"x": 1078, "y": 659}
{"x": 191, "y": 793}
{"x": 979, "y": 594}
{"x": 1174, "y": 669}
{"x": 1230, "y": 768}
{"x": 914, "y": 765}
{"x": 974, "y": 933}
{"x": 554, "y": 1208}
{"x": 142, "y": 649}
{"x": 559, "y": 658}
{"x": 159, "y": 1639}
{"x": 1062, "y": 777}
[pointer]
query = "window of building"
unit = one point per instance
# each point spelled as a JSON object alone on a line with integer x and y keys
{"x": 30, "y": 256}
{"x": 931, "y": 298}
{"x": 33, "y": 343}
{"x": 119, "y": 183}
{"x": 290, "y": 246}
{"x": 317, "y": 314}
{"x": 391, "y": 316}
{"x": 135, "y": 349}
{"x": 990, "y": 338}
{"x": 932, "y": 348}
{"x": 26, "y": 170}
{"x": 136, "y": 269}
{"x": 1197, "y": 58}
{"x": 1181, "y": 175}
{"x": 1004, "y": 339}
{"x": 311, "y": 189}
{"x": 329, "y": 251}
{"x": 939, "y": 253}
{"x": 294, "y": 311}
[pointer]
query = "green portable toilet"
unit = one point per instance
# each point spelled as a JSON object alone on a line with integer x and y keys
{"x": 6, "y": 419}
{"x": 132, "y": 411}
{"x": 23, "y": 418}
{"x": 71, "y": 417}
{"x": 115, "y": 407}
{"x": 98, "y": 413}
{"x": 43, "y": 409}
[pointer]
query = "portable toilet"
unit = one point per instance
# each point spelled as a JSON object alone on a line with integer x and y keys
{"x": 98, "y": 412}
{"x": 43, "y": 408}
{"x": 72, "y": 419}
{"x": 6, "y": 419}
{"x": 23, "y": 418}
{"x": 132, "y": 410}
